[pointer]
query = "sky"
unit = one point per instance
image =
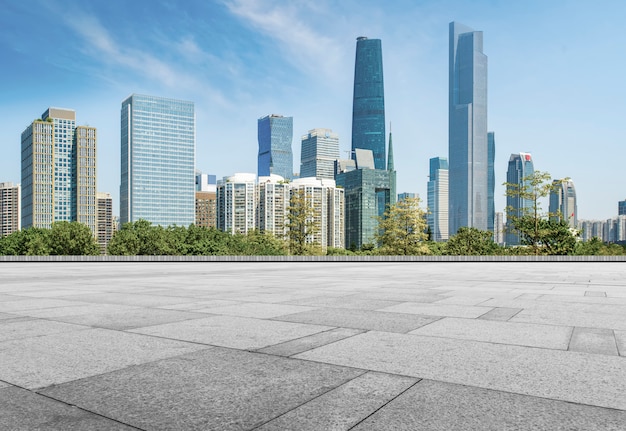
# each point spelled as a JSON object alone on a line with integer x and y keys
{"x": 556, "y": 73}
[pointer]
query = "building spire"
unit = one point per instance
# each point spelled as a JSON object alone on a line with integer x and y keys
{"x": 390, "y": 166}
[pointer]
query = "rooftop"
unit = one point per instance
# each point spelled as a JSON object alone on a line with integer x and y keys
{"x": 312, "y": 345}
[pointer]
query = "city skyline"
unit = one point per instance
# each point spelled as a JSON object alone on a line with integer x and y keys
{"x": 238, "y": 60}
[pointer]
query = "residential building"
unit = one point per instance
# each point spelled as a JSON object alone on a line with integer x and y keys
{"x": 157, "y": 160}
{"x": 320, "y": 149}
{"x": 621, "y": 207}
{"x": 520, "y": 167}
{"x": 368, "y": 106}
{"x": 206, "y": 209}
{"x": 469, "y": 155}
{"x": 563, "y": 202}
{"x": 273, "y": 203}
{"x": 275, "y": 135}
{"x": 236, "y": 203}
{"x": 205, "y": 182}
{"x": 10, "y": 217}
{"x": 86, "y": 206}
{"x": 437, "y": 216}
{"x": 105, "y": 224}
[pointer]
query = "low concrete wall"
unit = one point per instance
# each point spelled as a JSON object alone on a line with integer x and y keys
{"x": 312, "y": 259}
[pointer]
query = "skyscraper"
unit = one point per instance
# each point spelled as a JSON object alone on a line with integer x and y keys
{"x": 491, "y": 185}
{"x": 275, "y": 134}
{"x": 520, "y": 167}
{"x": 10, "y": 217}
{"x": 236, "y": 203}
{"x": 368, "y": 106}
{"x": 621, "y": 207}
{"x": 158, "y": 158}
{"x": 105, "y": 220}
{"x": 437, "y": 217}
{"x": 273, "y": 201}
{"x": 320, "y": 149}
{"x": 58, "y": 171}
{"x": 467, "y": 128}
{"x": 563, "y": 202}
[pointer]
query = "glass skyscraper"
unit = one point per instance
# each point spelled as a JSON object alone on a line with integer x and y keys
{"x": 468, "y": 143}
{"x": 520, "y": 167}
{"x": 368, "y": 106}
{"x": 437, "y": 217}
{"x": 320, "y": 149}
{"x": 275, "y": 134}
{"x": 158, "y": 158}
{"x": 563, "y": 202}
{"x": 491, "y": 187}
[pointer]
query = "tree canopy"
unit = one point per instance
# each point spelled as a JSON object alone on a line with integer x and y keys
{"x": 402, "y": 229}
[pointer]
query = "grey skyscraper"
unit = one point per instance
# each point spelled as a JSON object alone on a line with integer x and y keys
{"x": 437, "y": 217}
{"x": 491, "y": 187}
{"x": 468, "y": 143}
{"x": 320, "y": 149}
{"x": 368, "y": 105}
{"x": 520, "y": 167}
{"x": 563, "y": 202}
{"x": 275, "y": 134}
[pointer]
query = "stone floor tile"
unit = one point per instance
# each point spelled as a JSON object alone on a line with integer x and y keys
{"x": 593, "y": 340}
{"x": 130, "y": 299}
{"x": 33, "y": 304}
{"x": 235, "y": 332}
{"x": 259, "y": 310}
{"x": 130, "y": 319}
{"x": 522, "y": 334}
{"x": 57, "y": 358}
{"x": 436, "y": 309}
{"x": 500, "y": 313}
{"x": 344, "y": 406}
{"x": 217, "y": 389}
{"x": 595, "y": 293}
{"x": 431, "y": 405}
{"x": 620, "y": 339}
{"x": 303, "y": 344}
{"x": 349, "y": 301}
{"x": 566, "y": 376}
{"x": 17, "y": 328}
{"x": 26, "y": 410}
{"x": 360, "y": 319}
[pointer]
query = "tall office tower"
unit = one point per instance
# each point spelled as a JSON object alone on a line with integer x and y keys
{"x": 275, "y": 134}
{"x": 563, "y": 202}
{"x": 236, "y": 203}
{"x": 320, "y": 149}
{"x": 105, "y": 225}
{"x": 368, "y": 191}
{"x": 368, "y": 106}
{"x": 467, "y": 130}
{"x": 437, "y": 216}
{"x": 273, "y": 195}
{"x": 520, "y": 167}
{"x": 498, "y": 230}
{"x": 621, "y": 207}
{"x": 491, "y": 184}
{"x": 86, "y": 208}
{"x": 158, "y": 158}
{"x": 10, "y": 217}
{"x": 327, "y": 202}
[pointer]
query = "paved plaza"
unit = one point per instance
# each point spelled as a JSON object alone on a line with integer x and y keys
{"x": 313, "y": 346}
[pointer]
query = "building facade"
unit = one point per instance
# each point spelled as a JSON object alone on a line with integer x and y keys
{"x": 437, "y": 216}
{"x": 236, "y": 203}
{"x": 368, "y": 105}
{"x": 621, "y": 207}
{"x": 275, "y": 135}
{"x": 520, "y": 167}
{"x": 563, "y": 202}
{"x": 10, "y": 216}
{"x": 157, "y": 160}
{"x": 320, "y": 149}
{"x": 272, "y": 205}
{"x": 86, "y": 205}
{"x": 105, "y": 225}
{"x": 469, "y": 156}
{"x": 206, "y": 209}
{"x": 491, "y": 181}
{"x": 498, "y": 231}
{"x": 406, "y": 195}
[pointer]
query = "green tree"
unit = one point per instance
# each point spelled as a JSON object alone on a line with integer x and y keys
{"x": 301, "y": 225}
{"x": 469, "y": 241}
{"x": 258, "y": 243}
{"x": 402, "y": 229}
{"x": 141, "y": 238}
{"x": 72, "y": 239}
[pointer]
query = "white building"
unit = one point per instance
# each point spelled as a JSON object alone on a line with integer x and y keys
{"x": 236, "y": 203}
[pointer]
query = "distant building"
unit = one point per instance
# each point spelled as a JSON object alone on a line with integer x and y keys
{"x": 498, "y": 232}
{"x": 158, "y": 158}
{"x": 236, "y": 203}
{"x": 275, "y": 135}
{"x": 406, "y": 195}
{"x": 563, "y": 202}
{"x": 621, "y": 207}
{"x": 320, "y": 149}
{"x": 520, "y": 167}
{"x": 105, "y": 224}
{"x": 10, "y": 217}
{"x": 273, "y": 201}
{"x": 437, "y": 216}
{"x": 491, "y": 181}
{"x": 205, "y": 182}
{"x": 206, "y": 209}
{"x": 86, "y": 206}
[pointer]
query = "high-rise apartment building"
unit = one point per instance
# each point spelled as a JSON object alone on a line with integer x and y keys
{"x": 320, "y": 149}
{"x": 520, "y": 167}
{"x": 275, "y": 134}
{"x": 105, "y": 224}
{"x": 368, "y": 106}
{"x": 236, "y": 203}
{"x": 58, "y": 171}
{"x": 10, "y": 217}
{"x": 437, "y": 216}
{"x": 157, "y": 160}
{"x": 206, "y": 200}
{"x": 498, "y": 229}
{"x": 621, "y": 207}
{"x": 563, "y": 202}
{"x": 469, "y": 153}
{"x": 273, "y": 201}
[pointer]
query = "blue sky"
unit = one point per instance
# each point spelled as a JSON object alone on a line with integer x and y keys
{"x": 556, "y": 73}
